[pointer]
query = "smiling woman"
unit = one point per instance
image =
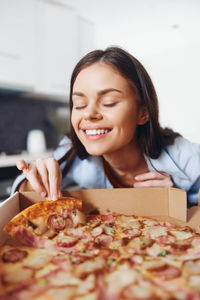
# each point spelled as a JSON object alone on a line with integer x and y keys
{"x": 115, "y": 136}
{"x": 105, "y": 110}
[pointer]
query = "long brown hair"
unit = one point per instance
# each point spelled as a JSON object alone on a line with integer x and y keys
{"x": 151, "y": 137}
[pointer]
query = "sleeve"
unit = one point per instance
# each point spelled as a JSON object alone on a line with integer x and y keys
{"x": 68, "y": 180}
{"x": 17, "y": 182}
{"x": 64, "y": 146}
{"x": 187, "y": 157}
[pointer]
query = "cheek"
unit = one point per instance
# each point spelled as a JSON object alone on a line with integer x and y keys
{"x": 127, "y": 121}
{"x": 127, "y": 126}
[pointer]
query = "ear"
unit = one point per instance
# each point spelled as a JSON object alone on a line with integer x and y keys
{"x": 143, "y": 115}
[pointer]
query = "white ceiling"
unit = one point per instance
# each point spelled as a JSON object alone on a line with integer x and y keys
{"x": 171, "y": 12}
{"x": 140, "y": 24}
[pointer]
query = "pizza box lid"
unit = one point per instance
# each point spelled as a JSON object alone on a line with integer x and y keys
{"x": 168, "y": 204}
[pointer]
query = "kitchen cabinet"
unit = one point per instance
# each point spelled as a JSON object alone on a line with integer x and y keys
{"x": 17, "y": 41}
{"x": 40, "y": 43}
{"x": 57, "y": 39}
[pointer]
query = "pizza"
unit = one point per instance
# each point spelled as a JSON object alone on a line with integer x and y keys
{"x": 66, "y": 254}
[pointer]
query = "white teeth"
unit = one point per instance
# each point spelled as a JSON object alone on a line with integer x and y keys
{"x": 95, "y": 132}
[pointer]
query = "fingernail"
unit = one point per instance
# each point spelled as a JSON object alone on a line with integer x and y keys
{"x": 43, "y": 194}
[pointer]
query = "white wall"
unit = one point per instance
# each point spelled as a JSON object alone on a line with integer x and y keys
{"x": 170, "y": 52}
{"x": 165, "y": 36}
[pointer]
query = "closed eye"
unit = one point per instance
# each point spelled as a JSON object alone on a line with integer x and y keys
{"x": 79, "y": 107}
{"x": 110, "y": 104}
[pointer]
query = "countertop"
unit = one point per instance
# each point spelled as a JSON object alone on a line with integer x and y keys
{"x": 10, "y": 160}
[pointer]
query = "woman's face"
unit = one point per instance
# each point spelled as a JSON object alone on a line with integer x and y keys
{"x": 105, "y": 114}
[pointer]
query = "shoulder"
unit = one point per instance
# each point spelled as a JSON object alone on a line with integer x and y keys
{"x": 186, "y": 157}
{"x": 183, "y": 150}
{"x": 181, "y": 160}
{"x": 63, "y": 147}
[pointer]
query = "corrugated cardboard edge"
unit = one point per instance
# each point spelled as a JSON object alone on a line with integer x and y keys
{"x": 8, "y": 209}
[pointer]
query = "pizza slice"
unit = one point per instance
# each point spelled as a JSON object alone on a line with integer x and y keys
{"x": 46, "y": 224}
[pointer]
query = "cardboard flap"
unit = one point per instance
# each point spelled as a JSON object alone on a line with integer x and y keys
{"x": 140, "y": 201}
{"x": 194, "y": 218}
{"x": 178, "y": 204}
{"x": 29, "y": 198}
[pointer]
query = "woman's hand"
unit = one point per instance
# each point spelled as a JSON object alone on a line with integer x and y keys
{"x": 153, "y": 179}
{"x": 44, "y": 175}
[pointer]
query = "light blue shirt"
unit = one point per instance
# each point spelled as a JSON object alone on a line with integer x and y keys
{"x": 180, "y": 160}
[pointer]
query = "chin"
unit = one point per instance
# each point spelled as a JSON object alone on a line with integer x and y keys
{"x": 95, "y": 152}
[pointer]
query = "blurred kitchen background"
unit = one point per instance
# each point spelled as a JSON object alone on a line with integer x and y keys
{"x": 41, "y": 41}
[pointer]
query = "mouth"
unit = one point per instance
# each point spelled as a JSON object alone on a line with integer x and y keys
{"x": 96, "y": 131}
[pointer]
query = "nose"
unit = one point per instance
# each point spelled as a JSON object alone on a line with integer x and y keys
{"x": 92, "y": 112}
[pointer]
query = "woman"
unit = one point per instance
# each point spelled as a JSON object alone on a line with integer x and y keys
{"x": 115, "y": 138}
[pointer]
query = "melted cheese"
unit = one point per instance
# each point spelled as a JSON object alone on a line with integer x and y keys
{"x": 153, "y": 263}
{"x": 127, "y": 222}
{"x": 181, "y": 235}
{"x": 90, "y": 296}
{"x": 194, "y": 281}
{"x": 157, "y": 231}
{"x": 115, "y": 244}
{"x": 37, "y": 260}
{"x": 155, "y": 249}
{"x": 78, "y": 218}
{"x": 140, "y": 291}
{"x": 86, "y": 285}
{"x": 18, "y": 275}
{"x": 45, "y": 270}
{"x": 192, "y": 267}
{"x": 57, "y": 294}
{"x": 90, "y": 266}
{"x": 64, "y": 278}
{"x": 120, "y": 278}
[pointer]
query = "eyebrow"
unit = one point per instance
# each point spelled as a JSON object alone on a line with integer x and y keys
{"x": 100, "y": 93}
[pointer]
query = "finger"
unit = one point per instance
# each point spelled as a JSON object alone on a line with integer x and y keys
{"x": 154, "y": 183}
{"x": 49, "y": 197}
{"x": 151, "y": 175}
{"x": 33, "y": 177}
{"x": 22, "y": 165}
{"x": 43, "y": 172}
{"x": 54, "y": 178}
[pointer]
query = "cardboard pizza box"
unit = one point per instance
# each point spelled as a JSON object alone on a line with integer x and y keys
{"x": 168, "y": 204}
